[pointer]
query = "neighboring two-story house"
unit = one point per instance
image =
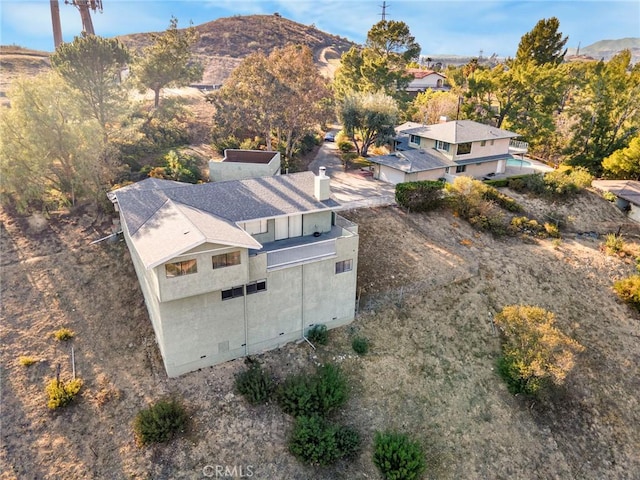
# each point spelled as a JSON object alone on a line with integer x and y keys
{"x": 238, "y": 267}
{"x": 442, "y": 150}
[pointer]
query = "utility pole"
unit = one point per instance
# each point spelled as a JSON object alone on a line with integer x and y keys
{"x": 55, "y": 20}
{"x": 384, "y": 10}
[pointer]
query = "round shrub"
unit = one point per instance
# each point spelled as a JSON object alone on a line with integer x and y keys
{"x": 318, "y": 334}
{"x": 398, "y": 457}
{"x": 62, "y": 393}
{"x": 319, "y": 394}
{"x": 160, "y": 422}
{"x": 317, "y": 442}
{"x": 628, "y": 289}
{"x": 64, "y": 334}
{"x": 360, "y": 345}
{"x": 254, "y": 384}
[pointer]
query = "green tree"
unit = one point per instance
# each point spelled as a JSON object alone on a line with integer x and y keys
{"x": 281, "y": 97}
{"x": 534, "y": 351}
{"x": 91, "y": 65}
{"x": 624, "y": 163}
{"x": 429, "y": 106}
{"x": 604, "y": 111}
{"x": 51, "y": 154}
{"x": 543, "y": 45}
{"x": 168, "y": 61}
{"x": 368, "y": 118}
{"x": 381, "y": 65}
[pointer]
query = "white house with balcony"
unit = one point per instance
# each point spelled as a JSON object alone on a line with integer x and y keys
{"x": 444, "y": 150}
{"x": 235, "y": 268}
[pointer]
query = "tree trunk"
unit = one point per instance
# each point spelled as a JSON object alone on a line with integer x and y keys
{"x": 156, "y": 100}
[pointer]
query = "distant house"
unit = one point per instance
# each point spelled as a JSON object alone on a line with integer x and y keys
{"x": 627, "y": 194}
{"x": 235, "y": 268}
{"x": 443, "y": 150}
{"x": 425, "y": 79}
{"x": 241, "y": 164}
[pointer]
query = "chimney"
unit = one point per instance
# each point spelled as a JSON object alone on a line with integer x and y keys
{"x": 443, "y": 119}
{"x": 322, "y": 188}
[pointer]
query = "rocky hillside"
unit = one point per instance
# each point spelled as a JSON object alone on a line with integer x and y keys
{"x": 226, "y": 41}
{"x": 17, "y": 61}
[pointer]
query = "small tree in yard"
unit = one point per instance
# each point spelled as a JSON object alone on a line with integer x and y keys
{"x": 398, "y": 457}
{"x": 534, "y": 351}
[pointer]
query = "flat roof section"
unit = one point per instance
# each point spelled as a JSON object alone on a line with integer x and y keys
{"x": 248, "y": 156}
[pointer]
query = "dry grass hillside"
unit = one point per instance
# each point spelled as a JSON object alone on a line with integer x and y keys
{"x": 428, "y": 284}
{"x": 17, "y": 61}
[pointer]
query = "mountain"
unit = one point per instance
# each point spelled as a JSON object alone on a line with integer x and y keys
{"x": 606, "y": 49}
{"x": 225, "y": 42}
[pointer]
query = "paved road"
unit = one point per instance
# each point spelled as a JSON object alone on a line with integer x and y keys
{"x": 354, "y": 188}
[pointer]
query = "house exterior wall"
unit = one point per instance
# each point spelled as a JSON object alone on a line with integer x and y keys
{"x": 426, "y": 175}
{"x": 195, "y": 328}
{"x": 204, "y": 330}
{"x": 430, "y": 81}
{"x": 206, "y": 279}
{"x": 223, "y": 171}
{"x": 491, "y": 148}
{"x": 478, "y": 170}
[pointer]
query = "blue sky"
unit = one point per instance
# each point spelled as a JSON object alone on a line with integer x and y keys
{"x": 441, "y": 27}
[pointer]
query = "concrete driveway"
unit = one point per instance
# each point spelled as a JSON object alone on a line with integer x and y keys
{"x": 353, "y": 188}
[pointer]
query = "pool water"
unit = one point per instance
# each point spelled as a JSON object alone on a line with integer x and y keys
{"x": 514, "y": 162}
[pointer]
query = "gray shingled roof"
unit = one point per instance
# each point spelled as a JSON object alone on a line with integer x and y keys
{"x": 459, "y": 131}
{"x": 628, "y": 190}
{"x": 414, "y": 160}
{"x": 165, "y": 218}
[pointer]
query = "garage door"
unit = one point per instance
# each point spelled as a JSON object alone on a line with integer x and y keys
{"x": 391, "y": 175}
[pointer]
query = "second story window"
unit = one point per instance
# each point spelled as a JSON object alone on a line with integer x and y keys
{"x": 178, "y": 269}
{"x": 440, "y": 145}
{"x": 414, "y": 139}
{"x": 464, "y": 148}
{"x": 226, "y": 260}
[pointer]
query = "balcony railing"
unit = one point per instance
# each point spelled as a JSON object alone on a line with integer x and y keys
{"x": 518, "y": 146}
{"x": 300, "y": 254}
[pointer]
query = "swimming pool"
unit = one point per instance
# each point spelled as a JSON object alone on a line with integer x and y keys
{"x": 514, "y": 162}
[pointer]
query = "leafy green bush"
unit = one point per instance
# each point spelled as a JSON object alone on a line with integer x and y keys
{"x": 254, "y": 384}
{"x": 62, "y": 393}
{"x": 527, "y": 226}
{"x": 534, "y": 351}
{"x": 64, "y": 334}
{"x": 318, "y": 334}
{"x": 502, "y": 200}
{"x": 398, "y": 457}
{"x": 611, "y": 197}
{"x": 319, "y": 394}
{"x": 552, "y": 230}
{"x": 420, "y": 196}
{"x": 318, "y": 442}
{"x": 628, "y": 289}
{"x": 501, "y": 182}
{"x": 346, "y": 146}
{"x": 360, "y": 345}
{"x": 557, "y": 183}
{"x": 160, "y": 422}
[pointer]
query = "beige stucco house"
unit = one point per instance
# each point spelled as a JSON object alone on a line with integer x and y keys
{"x": 234, "y": 268}
{"x": 444, "y": 150}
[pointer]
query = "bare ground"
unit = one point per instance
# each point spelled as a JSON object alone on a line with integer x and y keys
{"x": 427, "y": 285}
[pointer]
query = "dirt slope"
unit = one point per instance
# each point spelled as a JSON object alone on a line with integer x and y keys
{"x": 427, "y": 283}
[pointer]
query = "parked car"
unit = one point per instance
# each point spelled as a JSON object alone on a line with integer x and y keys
{"x": 330, "y": 137}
